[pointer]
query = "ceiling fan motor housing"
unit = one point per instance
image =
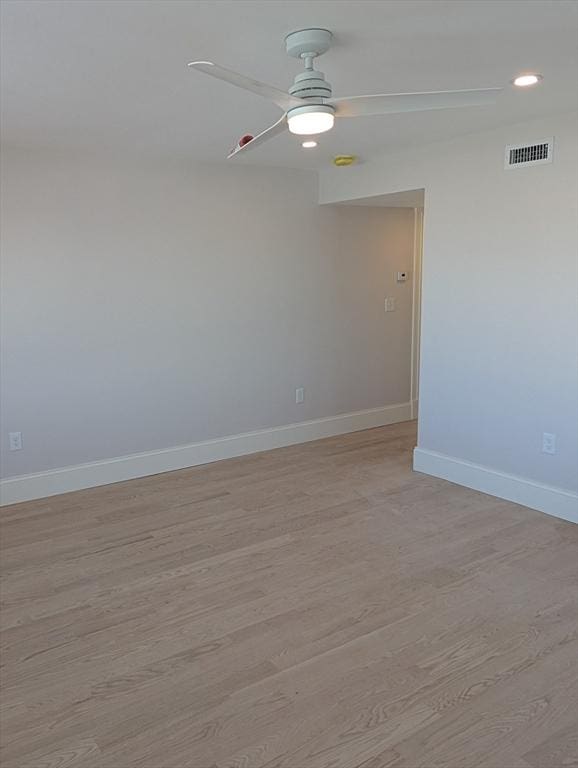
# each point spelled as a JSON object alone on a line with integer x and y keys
{"x": 311, "y": 85}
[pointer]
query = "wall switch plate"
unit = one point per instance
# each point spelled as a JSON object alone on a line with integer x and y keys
{"x": 299, "y": 395}
{"x": 389, "y": 304}
{"x": 548, "y": 442}
{"x": 401, "y": 277}
{"x": 15, "y": 441}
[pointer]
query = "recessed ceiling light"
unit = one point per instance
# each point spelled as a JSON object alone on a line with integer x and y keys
{"x": 309, "y": 144}
{"x": 524, "y": 80}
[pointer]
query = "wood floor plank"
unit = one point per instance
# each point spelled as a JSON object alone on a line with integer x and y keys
{"x": 559, "y": 748}
{"x": 317, "y": 606}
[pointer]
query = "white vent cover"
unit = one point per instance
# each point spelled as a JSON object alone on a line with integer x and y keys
{"x": 534, "y": 153}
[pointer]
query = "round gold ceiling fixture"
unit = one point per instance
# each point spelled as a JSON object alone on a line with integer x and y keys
{"x": 341, "y": 161}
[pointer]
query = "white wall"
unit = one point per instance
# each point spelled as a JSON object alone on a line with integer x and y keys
{"x": 150, "y": 307}
{"x": 499, "y": 347}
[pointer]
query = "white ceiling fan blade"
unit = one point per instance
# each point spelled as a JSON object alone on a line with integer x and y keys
{"x": 274, "y": 130}
{"x": 392, "y": 103}
{"x": 276, "y": 95}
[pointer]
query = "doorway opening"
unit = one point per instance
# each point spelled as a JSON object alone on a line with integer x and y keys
{"x": 402, "y": 283}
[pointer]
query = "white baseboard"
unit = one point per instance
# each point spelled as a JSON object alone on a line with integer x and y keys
{"x": 115, "y": 470}
{"x": 545, "y": 498}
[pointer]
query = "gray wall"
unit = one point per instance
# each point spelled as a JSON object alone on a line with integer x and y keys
{"x": 149, "y": 307}
{"x": 499, "y": 349}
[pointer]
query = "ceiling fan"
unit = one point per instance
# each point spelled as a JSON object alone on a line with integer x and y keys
{"x": 308, "y": 106}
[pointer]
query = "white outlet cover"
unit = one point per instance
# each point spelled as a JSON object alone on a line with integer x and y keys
{"x": 15, "y": 441}
{"x": 389, "y": 304}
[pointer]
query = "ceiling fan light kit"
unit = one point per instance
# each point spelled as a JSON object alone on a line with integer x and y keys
{"x": 309, "y": 107}
{"x": 311, "y": 120}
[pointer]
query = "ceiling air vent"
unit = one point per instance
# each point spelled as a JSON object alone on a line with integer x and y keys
{"x": 536, "y": 153}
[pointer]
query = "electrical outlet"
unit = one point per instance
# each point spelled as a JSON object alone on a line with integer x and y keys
{"x": 299, "y": 395}
{"x": 389, "y": 304}
{"x": 15, "y": 441}
{"x": 548, "y": 442}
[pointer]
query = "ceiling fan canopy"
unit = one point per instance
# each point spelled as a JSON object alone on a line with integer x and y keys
{"x": 309, "y": 107}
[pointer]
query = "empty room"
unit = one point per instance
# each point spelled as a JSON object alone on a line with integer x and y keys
{"x": 289, "y": 384}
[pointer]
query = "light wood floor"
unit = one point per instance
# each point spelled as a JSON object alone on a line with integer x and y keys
{"x": 319, "y": 606}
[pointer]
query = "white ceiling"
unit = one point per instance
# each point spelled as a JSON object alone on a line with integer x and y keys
{"x": 111, "y": 74}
